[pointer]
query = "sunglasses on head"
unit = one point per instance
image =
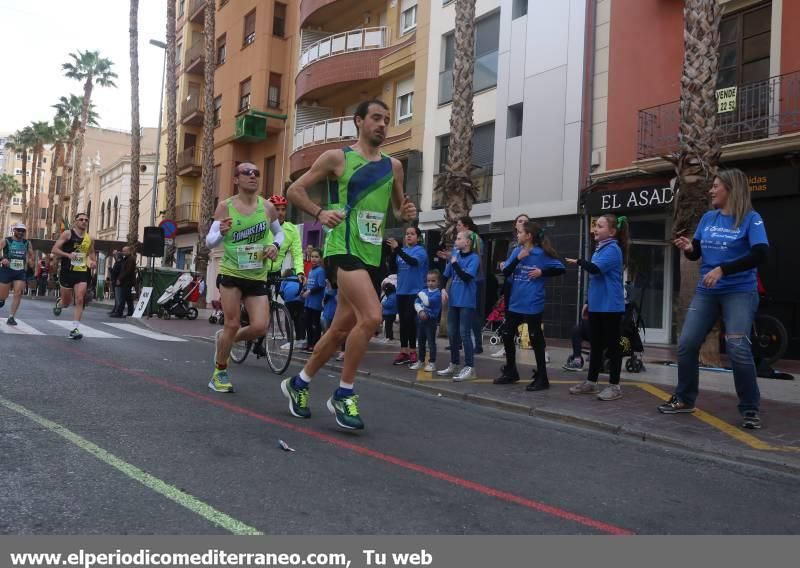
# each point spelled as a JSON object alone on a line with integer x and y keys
{"x": 248, "y": 172}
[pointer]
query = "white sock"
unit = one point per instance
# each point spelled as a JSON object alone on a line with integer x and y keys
{"x": 305, "y": 376}
{"x": 75, "y": 324}
{"x": 346, "y": 386}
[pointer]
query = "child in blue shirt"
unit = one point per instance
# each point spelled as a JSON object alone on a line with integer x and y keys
{"x": 606, "y": 304}
{"x": 389, "y": 305}
{"x": 463, "y": 269}
{"x": 290, "y": 290}
{"x": 312, "y": 294}
{"x": 533, "y": 260}
{"x": 428, "y": 305}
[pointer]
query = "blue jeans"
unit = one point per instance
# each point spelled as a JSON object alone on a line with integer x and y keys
{"x": 426, "y": 333}
{"x": 459, "y": 331}
{"x": 737, "y": 309}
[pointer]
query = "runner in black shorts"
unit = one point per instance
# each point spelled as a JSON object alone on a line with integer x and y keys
{"x": 75, "y": 248}
{"x": 16, "y": 255}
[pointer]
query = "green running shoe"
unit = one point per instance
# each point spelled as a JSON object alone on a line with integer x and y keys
{"x": 219, "y": 381}
{"x": 346, "y": 412}
{"x": 57, "y": 308}
{"x": 75, "y": 334}
{"x": 298, "y": 399}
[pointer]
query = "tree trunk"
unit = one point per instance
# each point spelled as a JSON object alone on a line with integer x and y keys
{"x": 24, "y": 183}
{"x": 207, "y": 201}
{"x": 29, "y": 219}
{"x": 136, "y": 133}
{"x": 172, "y": 128}
{"x": 77, "y": 171}
{"x": 61, "y": 210}
{"x": 697, "y": 161}
{"x": 35, "y": 212}
{"x": 456, "y": 182}
{"x": 58, "y": 157}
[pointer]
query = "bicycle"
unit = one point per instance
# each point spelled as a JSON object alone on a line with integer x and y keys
{"x": 277, "y": 345}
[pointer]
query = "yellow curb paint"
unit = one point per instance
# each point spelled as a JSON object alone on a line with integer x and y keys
{"x": 169, "y": 491}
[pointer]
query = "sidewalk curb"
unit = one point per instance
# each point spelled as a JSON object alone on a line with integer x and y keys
{"x": 772, "y": 461}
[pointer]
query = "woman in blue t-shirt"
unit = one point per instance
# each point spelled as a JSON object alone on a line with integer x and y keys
{"x": 412, "y": 268}
{"x": 527, "y": 266}
{"x": 606, "y": 304}
{"x": 463, "y": 270}
{"x": 732, "y": 241}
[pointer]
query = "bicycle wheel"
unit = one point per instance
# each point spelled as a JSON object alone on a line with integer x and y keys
{"x": 769, "y": 338}
{"x": 239, "y": 351}
{"x": 279, "y": 341}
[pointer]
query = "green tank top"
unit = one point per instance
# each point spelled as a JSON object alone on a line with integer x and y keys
{"x": 363, "y": 191}
{"x": 17, "y": 253}
{"x": 245, "y": 243}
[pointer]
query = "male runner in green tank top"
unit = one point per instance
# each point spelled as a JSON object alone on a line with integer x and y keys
{"x": 362, "y": 183}
{"x": 16, "y": 256}
{"x": 247, "y": 226}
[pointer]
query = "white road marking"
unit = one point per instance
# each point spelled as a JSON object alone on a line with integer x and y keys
{"x": 85, "y": 330}
{"x": 21, "y": 328}
{"x": 131, "y": 328}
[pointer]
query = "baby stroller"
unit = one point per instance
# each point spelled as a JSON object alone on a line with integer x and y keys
{"x": 217, "y": 316}
{"x": 495, "y": 322}
{"x": 173, "y": 301}
{"x": 631, "y": 340}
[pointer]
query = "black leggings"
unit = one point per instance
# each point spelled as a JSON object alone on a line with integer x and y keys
{"x": 312, "y": 326}
{"x": 534, "y": 321}
{"x": 604, "y": 333}
{"x": 408, "y": 321}
{"x": 388, "y": 326}
{"x": 296, "y": 311}
{"x": 580, "y": 333}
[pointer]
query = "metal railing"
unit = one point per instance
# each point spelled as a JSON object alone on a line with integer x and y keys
{"x": 188, "y": 158}
{"x": 193, "y": 104}
{"x": 763, "y": 109}
{"x": 345, "y": 42}
{"x": 187, "y": 213}
{"x": 328, "y": 130}
{"x": 196, "y": 53}
{"x": 481, "y": 177}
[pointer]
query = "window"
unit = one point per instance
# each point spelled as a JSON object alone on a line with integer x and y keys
{"x": 217, "y": 110}
{"x": 514, "y": 127}
{"x": 178, "y": 49}
{"x": 274, "y": 91}
{"x": 408, "y": 15}
{"x": 519, "y": 8}
{"x": 221, "y": 50}
{"x": 279, "y": 20}
{"x": 244, "y": 95}
{"x": 405, "y": 100}
{"x": 744, "y": 47}
{"x": 487, "y": 41}
{"x": 482, "y": 148}
{"x": 116, "y": 210}
{"x": 102, "y": 216}
{"x": 16, "y": 200}
{"x": 269, "y": 176}
{"x": 181, "y": 6}
{"x": 19, "y": 155}
{"x": 108, "y": 213}
{"x": 43, "y": 213}
{"x": 89, "y": 210}
{"x": 249, "y": 28}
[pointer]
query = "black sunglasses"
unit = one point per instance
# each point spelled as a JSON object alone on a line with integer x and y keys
{"x": 20, "y": 230}
{"x": 249, "y": 173}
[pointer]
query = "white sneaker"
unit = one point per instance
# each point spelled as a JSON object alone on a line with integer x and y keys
{"x": 499, "y": 354}
{"x": 464, "y": 374}
{"x": 547, "y": 357}
{"x": 340, "y": 356}
{"x": 285, "y": 346}
{"x": 447, "y": 371}
{"x": 300, "y": 343}
{"x": 416, "y": 366}
{"x": 430, "y": 368}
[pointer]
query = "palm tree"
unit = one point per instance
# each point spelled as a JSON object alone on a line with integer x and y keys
{"x": 456, "y": 182}
{"x": 61, "y": 132}
{"x": 42, "y": 135}
{"x": 697, "y": 160}
{"x": 22, "y": 141}
{"x": 69, "y": 110}
{"x": 172, "y": 127}
{"x": 9, "y": 187}
{"x": 207, "y": 199}
{"x": 136, "y": 134}
{"x": 89, "y": 67}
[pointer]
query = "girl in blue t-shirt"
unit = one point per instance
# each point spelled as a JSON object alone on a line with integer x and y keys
{"x": 389, "y": 308}
{"x": 428, "y": 305}
{"x": 412, "y": 266}
{"x": 463, "y": 269}
{"x": 606, "y": 304}
{"x": 732, "y": 241}
{"x": 529, "y": 263}
{"x": 313, "y": 293}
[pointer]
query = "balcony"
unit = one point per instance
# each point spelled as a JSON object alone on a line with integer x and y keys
{"x": 253, "y": 125}
{"x": 309, "y": 7}
{"x": 481, "y": 177}
{"x": 196, "y": 58}
{"x": 187, "y": 216}
{"x": 189, "y": 164}
{"x": 761, "y": 110}
{"x": 324, "y": 131}
{"x": 346, "y": 42}
{"x": 192, "y": 110}
{"x": 197, "y": 12}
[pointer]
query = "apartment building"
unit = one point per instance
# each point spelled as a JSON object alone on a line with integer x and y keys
{"x": 635, "y": 121}
{"x": 12, "y": 164}
{"x": 529, "y": 117}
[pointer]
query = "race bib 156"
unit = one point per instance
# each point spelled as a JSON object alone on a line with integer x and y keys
{"x": 370, "y": 226}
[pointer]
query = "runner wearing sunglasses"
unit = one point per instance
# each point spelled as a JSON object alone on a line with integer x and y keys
{"x": 16, "y": 255}
{"x": 76, "y": 249}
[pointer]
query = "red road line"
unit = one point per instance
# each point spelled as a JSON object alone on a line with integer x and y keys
{"x": 434, "y": 473}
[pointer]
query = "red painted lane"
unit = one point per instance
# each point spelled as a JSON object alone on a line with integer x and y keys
{"x": 386, "y": 458}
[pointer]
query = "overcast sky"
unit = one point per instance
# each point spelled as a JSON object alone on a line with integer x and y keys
{"x": 36, "y": 38}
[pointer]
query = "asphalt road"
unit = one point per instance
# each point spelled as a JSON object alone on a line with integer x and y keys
{"x": 120, "y": 435}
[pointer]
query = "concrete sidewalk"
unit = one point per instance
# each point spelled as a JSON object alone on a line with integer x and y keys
{"x": 713, "y": 430}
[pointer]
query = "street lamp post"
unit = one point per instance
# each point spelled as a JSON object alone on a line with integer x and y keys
{"x": 154, "y": 190}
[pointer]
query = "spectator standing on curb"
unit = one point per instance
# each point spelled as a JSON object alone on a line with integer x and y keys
{"x": 124, "y": 281}
{"x": 412, "y": 267}
{"x": 389, "y": 308}
{"x": 428, "y": 305}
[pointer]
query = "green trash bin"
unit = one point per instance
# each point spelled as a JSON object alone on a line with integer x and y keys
{"x": 160, "y": 279}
